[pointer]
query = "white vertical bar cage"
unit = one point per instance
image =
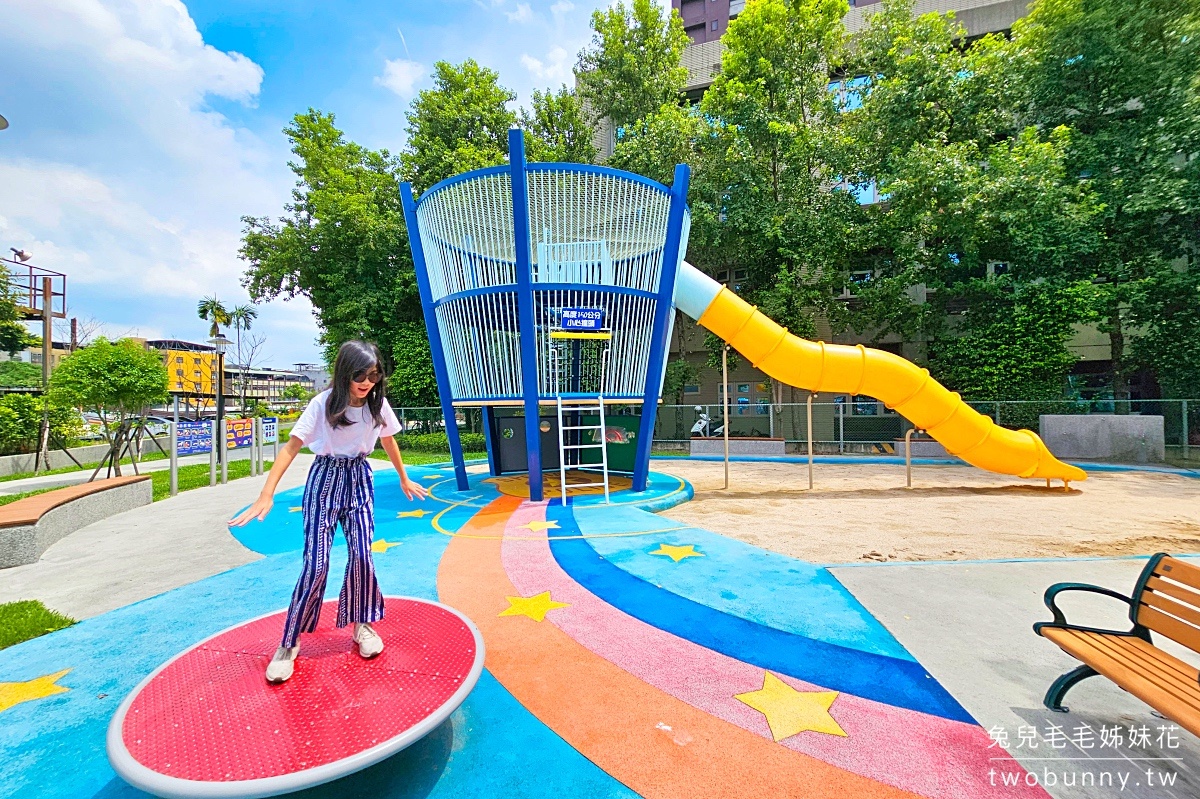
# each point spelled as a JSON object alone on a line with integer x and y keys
{"x": 597, "y": 239}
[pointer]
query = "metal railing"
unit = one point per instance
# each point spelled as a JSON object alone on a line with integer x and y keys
{"x": 860, "y": 425}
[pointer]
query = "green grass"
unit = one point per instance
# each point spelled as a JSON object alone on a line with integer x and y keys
{"x": 669, "y": 453}
{"x": 196, "y": 476}
{"x": 28, "y": 618}
{"x": 413, "y": 458}
{"x": 7, "y": 498}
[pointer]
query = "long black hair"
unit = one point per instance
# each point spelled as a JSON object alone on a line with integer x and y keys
{"x": 354, "y": 357}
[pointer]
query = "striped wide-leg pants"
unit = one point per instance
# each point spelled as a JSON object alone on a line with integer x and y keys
{"x": 338, "y": 490}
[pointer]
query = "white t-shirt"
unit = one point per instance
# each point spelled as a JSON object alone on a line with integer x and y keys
{"x": 358, "y": 438}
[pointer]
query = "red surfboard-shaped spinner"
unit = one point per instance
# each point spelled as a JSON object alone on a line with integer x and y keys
{"x": 207, "y": 724}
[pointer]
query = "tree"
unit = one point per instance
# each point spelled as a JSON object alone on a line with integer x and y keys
{"x": 296, "y": 393}
{"x": 674, "y": 134}
{"x": 1166, "y": 311}
{"x": 117, "y": 380}
{"x": 210, "y": 309}
{"x": 343, "y": 244}
{"x": 242, "y": 318}
{"x": 775, "y": 162}
{"x": 1123, "y": 76}
{"x": 556, "y": 128}
{"x": 968, "y": 183}
{"x": 460, "y": 124}
{"x": 1010, "y": 340}
{"x": 13, "y": 335}
{"x": 633, "y": 65}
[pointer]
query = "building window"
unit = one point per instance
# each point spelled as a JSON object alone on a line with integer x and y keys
{"x": 865, "y": 406}
{"x": 997, "y": 268}
{"x": 714, "y": 24}
{"x": 178, "y": 359}
{"x": 743, "y": 388}
{"x": 179, "y": 372}
{"x": 691, "y": 388}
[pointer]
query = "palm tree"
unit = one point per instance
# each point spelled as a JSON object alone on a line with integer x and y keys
{"x": 242, "y": 318}
{"x": 210, "y": 309}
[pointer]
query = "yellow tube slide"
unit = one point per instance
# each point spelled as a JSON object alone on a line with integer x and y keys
{"x": 899, "y": 384}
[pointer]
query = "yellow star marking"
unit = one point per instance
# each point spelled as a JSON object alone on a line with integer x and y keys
{"x": 789, "y": 711}
{"x": 678, "y": 553}
{"x": 535, "y": 607}
{"x": 411, "y": 514}
{"x": 538, "y": 527}
{"x": 295, "y": 508}
{"x": 14, "y": 693}
{"x": 383, "y": 546}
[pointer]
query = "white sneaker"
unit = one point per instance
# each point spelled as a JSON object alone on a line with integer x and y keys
{"x": 369, "y": 642}
{"x": 281, "y": 666}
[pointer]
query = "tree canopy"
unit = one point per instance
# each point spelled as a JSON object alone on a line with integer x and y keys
{"x": 977, "y": 198}
{"x": 460, "y": 124}
{"x": 111, "y": 377}
{"x": 633, "y": 65}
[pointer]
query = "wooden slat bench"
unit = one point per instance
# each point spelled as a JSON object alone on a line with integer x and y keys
{"x": 1166, "y": 601}
{"x": 30, "y": 525}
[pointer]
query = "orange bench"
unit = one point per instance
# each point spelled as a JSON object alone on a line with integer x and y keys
{"x": 29, "y": 526}
{"x": 1166, "y": 601}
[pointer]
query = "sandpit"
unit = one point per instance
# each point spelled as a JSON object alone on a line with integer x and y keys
{"x": 859, "y": 513}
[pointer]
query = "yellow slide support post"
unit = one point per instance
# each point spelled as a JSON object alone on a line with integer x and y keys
{"x": 900, "y": 384}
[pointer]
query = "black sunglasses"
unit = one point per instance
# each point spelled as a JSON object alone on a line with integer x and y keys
{"x": 374, "y": 376}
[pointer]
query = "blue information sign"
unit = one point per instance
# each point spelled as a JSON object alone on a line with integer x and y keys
{"x": 583, "y": 318}
{"x": 195, "y": 437}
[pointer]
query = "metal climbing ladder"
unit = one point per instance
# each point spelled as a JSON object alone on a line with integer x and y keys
{"x": 572, "y": 432}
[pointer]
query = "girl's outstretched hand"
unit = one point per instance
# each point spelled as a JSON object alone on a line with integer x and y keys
{"x": 259, "y": 510}
{"x": 413, "y": 490}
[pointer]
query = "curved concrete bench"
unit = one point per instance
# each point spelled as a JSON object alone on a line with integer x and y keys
{"x": 29, "y": 526}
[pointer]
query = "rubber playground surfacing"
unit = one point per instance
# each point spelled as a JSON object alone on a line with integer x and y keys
{"x": 627, "y": 654}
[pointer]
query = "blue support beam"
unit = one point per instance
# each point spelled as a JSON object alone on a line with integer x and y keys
{"x": 525, "y": 315}
{"x": 660, "y": 335}
{"x": 435, "y": 338}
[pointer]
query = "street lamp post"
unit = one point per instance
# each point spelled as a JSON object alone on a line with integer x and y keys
{"x": 219, "y": 343}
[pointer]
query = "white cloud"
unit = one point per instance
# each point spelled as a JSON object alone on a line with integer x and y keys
{"x": 522, "y": 15}
{"x": 561, "y": 8}
{"x": 555, "y": 68}
{"x": 118, "y": 169}
{"x": 401, "y": 76}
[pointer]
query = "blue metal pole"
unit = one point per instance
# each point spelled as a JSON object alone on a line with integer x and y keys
{"x": 528, "y": 335}
{"x": 660, "y": 334}
{"x": 435, "y": 337}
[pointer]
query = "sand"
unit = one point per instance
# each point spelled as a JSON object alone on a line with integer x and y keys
{"x": 858, "y": 513}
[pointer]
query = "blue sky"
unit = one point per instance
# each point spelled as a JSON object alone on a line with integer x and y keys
{"x": 143, "y": 130}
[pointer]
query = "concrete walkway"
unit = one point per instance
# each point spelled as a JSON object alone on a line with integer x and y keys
{"x": 144, "y": 552}
{"x": 970, "y": 624}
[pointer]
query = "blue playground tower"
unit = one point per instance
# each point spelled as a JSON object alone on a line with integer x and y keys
{"x": 548, "y": 293}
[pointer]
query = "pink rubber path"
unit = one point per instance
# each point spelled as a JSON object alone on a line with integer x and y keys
{"x": 917, "y": 752}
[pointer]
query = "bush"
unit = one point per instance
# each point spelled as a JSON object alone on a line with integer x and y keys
{"x": 21, "y": 423}
{"x": 20, "y": 374}
{"x": 437, "y": 442}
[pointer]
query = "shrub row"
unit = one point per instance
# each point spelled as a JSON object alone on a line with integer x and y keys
{"x": 437, "y": 442}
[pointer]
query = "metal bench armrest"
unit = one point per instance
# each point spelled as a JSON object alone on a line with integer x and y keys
{"x": 1060, "y": 620}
